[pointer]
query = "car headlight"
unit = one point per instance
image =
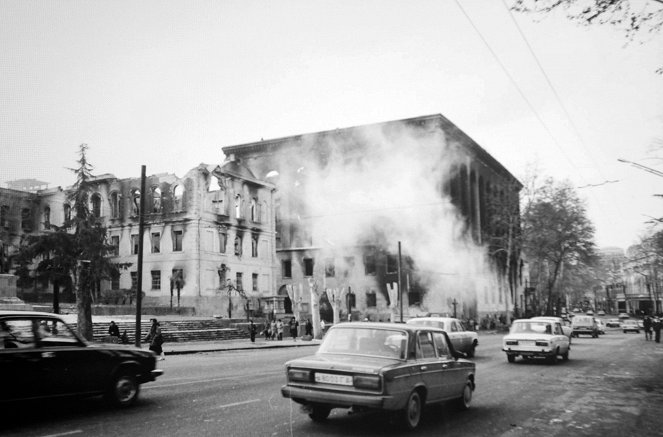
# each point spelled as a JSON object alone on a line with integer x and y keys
{"x": 371, "y": 382}
{"x": 512, "y": 342}
{"x": 542, "y": 343}
{"x": 300, "y": 375}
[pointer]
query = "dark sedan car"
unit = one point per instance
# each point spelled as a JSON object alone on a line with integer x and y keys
{"x": 42, "y": 357}
{"x": 380, "y": 366}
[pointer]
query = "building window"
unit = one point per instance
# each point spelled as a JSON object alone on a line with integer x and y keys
{"x": 115, "y": 242}
{"x": 96, "y": 204}
{"x": 238, "y": 206}
{"x": 177, "y": 278}
{"x": 135, "y": 202}
{"x": 238, "y": 281}
{"x": 349, "y": 265}
{"x": 115, "y": 282}
{"x": 134, "y": 281}
{"x": 254, "y": 282}
{"x": 47, "y": 217}
{"x": 223, "y": 241}
{"x": 392, "y": 264}
{"x": 177, "y": 241}
{"x": 371, "y": 299}
{"x": 156, "y": 200}
{"x": 238, "y": 245}
{"x": 255, "y": 216}
{"x": 4, "y": 216}
{"x": 369, "y": 264}
{"x": 287, "y": 268}
{"x": 156, "y": 242}
{"x": 67, "y": 212}
{"x": 134, "y": 244}
{"x": 254, "y": 246}
{"x": 115, "y": 204}
{"x": 178, "y": 196}
{"x": 26, "y": 220}
{"x": 156, "y": 279}
{"x": 330, "y": 268}
{"x": 308, "y": 266}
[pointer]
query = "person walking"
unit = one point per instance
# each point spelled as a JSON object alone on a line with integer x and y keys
{"x": 308, "y": 328}
{"x": 657, "y": 325}
{"x": 294, "y": 328}
{"x": 252, "y": 331}
{"x": 155, "y": 337}
{"x": 279, "y": 329}
{"x": 273, "y": 329}
{"x": 648, "y": 328}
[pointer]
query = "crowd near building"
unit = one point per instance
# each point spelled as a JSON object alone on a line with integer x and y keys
{"x": 289, "y": 226}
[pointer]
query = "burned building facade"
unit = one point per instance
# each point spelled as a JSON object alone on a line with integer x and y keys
{"x": 346, "y": 198}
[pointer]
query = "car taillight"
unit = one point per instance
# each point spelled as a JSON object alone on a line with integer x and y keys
{"x": 299, "y": 375}
{"x": 371, "y": 382}
{"x": 512, "y": 343}
{"x": 541, "y": 343}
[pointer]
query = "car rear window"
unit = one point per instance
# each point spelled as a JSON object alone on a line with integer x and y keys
{"x": 385, "y": 343}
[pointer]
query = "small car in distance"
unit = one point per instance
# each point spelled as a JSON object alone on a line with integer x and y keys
{"x": 42, "y": 357}
{"x": 536, "y": 339}
{"x": 585, "y": 325}
{"x": 463, "y": 340}
{"x": 613, "y": 323}
{"x": 398, "y": 368}
{"x": 629, "y": 325}
{"x": 601, "y": 313}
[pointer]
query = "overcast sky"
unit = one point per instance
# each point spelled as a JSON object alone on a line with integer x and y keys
{"x": 166, "y": 84}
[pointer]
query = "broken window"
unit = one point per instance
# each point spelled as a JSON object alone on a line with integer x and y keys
{"x": 115, "y": 204}
{"x": 349, "y": 265}
{"x": 254, "y": 282}
{"x": 115, "y": 281}
{"x": 96, "y": 204}
{"x": 135, "y": 202}
{"x": 134, "y": 281}
{"x": 371, "y": 299}
{"x": 115, "y": 242}
{"x": 239, "y": 281}
{"x": 238, "y": 245}
{"x": 287, "y": 268}
{"x": 4, "y": 216}
{"x": 218, "y": 195}
{"x": 134, "y": 244}
{"x": 47, "y": 217}
{"x": 67, "y": 211}
{"x": 254, "y": 246}
{"x": 177, "y": 241}
{"x": 26, "y": 220}
{"x": 308, "y": 266}
{"x": 369, "y": 264}
{"x": 178, "y": 195}
{"x": 392, "y": 264}
{"x": 156, "y": 200}
{"x": 156, "y": 242}
{"x": 330, "y": 268}
{"x": 223, "y": 241}
{"x": 156, "y": 279}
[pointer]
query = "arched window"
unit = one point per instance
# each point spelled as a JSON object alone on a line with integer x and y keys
{"x": 238, "y": 206}
{"x": 47, "y": 217}
{"x": 135, "y": 202}
{"x": 217, "y": 198}
{"x": 115, "y": 204}
{"x": 178, "y": 195}
{"x": 238, "y": 245}
{"x": 156, "y": 200}
{"x": 67, "y": 212}
{"x": 254, "y": 210}
{"x": 96, "y": 204}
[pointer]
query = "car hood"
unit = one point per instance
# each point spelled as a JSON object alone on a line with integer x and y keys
{"x": 123, "y": 349}
{"x": 342, "y": 362}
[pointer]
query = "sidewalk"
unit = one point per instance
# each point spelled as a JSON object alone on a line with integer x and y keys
{"x": 194, "y": 347}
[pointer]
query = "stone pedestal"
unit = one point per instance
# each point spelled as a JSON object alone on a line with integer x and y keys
{"x": 8, "y": 299}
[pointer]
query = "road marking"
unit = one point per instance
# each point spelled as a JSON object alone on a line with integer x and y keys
{"x": 239, "y": 403}
{"x": 78, "y": 431}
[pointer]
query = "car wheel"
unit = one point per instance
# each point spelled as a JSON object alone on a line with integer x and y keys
{"x": 553, "y": 358}
{"x": 412, "y": 411}
{"x": 123, "y": 390}
{"x": 510, "y": 358}
{"x": 465, "y": 399}
{"x": 565, "y": 356}
{"x": 319, "y": 413}
{"x": 470, "y": 353}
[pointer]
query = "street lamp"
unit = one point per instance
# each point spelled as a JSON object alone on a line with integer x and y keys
{"x": 454, "y": 303}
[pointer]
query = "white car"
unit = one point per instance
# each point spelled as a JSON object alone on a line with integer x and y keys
{"x": 462, "y": 339}
{"x": 535, "y": 339}
{"x": 600, "y": 325}
{"x": 568, "y": 330}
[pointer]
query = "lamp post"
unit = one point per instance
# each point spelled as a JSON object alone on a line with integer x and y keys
{"x": 454, "y": 303}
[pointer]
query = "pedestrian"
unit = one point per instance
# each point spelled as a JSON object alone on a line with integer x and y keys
{"x": 322, "y": 327}
{"x": 648, "y": 328}
{"x": 294, "y": 328}
{"x": 272, "y": 329}
{"x": 124, "y": 339}
{"x": 657, "y": 324}
{"x": 279, "y": 329}
{"x": 114, "y": 330}
{"x": 308, "y": 328}
{"x": 252, "y": 331}
{"x": 266, "y": 332}
{"x": 155, "y": 337}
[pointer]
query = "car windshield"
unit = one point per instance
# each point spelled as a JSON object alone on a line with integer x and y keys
{"x": 536, "y": 327}
{"x": 424, "y": 322}
{"x": 365, "y": 341}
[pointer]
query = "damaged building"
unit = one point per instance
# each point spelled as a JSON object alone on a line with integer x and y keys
{"x": 347, "y": 198}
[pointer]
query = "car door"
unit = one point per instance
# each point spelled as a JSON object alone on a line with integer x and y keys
{"x": 455, "y": 335}
{"x": 560, "y": 339}
{"x": 451, "y": 379}
{"x": 430, "y": 368}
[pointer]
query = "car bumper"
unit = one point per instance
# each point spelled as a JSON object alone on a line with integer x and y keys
{"x": 543, "y": 352}
{"x": 151, "y": 376}
{"x": 305, "y": 396}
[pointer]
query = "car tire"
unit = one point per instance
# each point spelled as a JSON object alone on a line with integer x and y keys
{"x": 464, "y": 401}
{"x": 319, "y": 413}
{"x": 123, "y": 390}
{"x": 565, "y": 356}
{"x": 511, "y": 358}
{"x": 413, "y": 410}
{"x": 553, "y": 358}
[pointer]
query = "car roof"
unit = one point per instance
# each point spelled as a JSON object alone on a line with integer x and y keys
{"x": 383, "y": 325}
{"x": 551, "y": 318}
{"x": 434, "y": 319}
{"x": 5, "y": 313}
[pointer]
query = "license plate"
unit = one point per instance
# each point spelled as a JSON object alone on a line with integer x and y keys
{"x": 329, "y": 378}
{"x": 526, "y": 343}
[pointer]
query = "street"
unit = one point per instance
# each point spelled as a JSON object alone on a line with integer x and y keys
{"x": 611, "y": 386}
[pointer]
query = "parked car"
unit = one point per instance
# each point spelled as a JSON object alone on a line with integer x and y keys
{"x": 629, "y": 325}
{"x": 623, "y": 316}
{"x": 463, "y": 339}
{"x": 585, "y": 325}
{"x": 600, "y": 325}
{"x": 536, "y": 339}
{"x": 601, "y": 313}
{"x": 42, "y": 357}
{"x": 380, "y": 366}
{"x": 589, "y": 313}
{"x": 566, "y": 327}
{"x": 613, "y": 323}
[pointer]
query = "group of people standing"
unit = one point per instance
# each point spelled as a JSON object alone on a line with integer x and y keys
{"x": 654, "y": 324}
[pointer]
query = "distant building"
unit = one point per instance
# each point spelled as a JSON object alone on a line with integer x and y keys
{"x": 329, "y": 182}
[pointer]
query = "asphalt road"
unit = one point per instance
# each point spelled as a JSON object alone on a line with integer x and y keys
{"x": 611, "y": 386}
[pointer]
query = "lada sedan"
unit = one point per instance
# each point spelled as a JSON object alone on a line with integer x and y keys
{"x": 42, "y": 357}
{"x": 568, "y": 330}
{"x": 463, "y": 340}
{"x": 535, "y": 339}
{"x": 380, "y": 366}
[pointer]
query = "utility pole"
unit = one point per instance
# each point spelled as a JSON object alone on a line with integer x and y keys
{"x": 400, "y": 285}
{"x": 139, "y": 272}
